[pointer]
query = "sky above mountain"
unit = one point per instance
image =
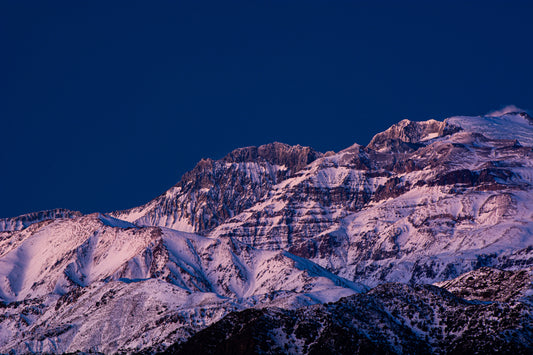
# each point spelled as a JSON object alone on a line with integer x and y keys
{"x": 105, "y": 105}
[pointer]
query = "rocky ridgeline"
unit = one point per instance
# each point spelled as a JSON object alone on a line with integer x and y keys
{"x": 21, "y": 222}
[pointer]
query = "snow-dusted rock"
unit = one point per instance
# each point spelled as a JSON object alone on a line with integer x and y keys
{"x": 21, "y": 222}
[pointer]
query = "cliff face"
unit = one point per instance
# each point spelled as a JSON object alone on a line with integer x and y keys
{"x": 411, "y": 132}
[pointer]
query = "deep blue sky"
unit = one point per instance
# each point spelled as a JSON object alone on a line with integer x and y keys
{"x": 105, "y": 104}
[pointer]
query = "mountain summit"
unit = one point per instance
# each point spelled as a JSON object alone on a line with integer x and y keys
{"x": 282, "y": 249}
{"x": 217, "y": 190}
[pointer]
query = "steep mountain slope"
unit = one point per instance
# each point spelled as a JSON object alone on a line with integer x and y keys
{"x": 66, "y": 280}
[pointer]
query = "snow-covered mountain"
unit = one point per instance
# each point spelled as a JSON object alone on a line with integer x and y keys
{"x": 280, "y": 230}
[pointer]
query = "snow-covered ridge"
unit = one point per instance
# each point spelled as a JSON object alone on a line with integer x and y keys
{"x": 25, "y": 220}
{"x": 216, "y": 191}
{"x": 424, "y": 211}
{"x": 511, "y": 125}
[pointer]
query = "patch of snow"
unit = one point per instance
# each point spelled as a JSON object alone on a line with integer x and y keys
{"x": 508, "y": 126}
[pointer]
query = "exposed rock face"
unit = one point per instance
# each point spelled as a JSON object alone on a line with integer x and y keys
{"x": 411, "y": 132}
{"x": 294, "y": 158}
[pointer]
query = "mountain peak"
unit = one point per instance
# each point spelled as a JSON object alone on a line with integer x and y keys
{"x": 292, "y": 157}
{"x": 509, "y": 125}
{"x": 216, "y": 190}
{"x": 411, "y": 132}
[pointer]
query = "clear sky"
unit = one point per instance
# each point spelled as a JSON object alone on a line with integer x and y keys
{"x": 105, "y": 104}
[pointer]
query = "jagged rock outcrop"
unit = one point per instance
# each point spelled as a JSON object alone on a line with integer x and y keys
{"x": 410, "y": 132}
